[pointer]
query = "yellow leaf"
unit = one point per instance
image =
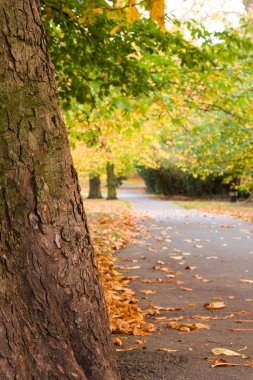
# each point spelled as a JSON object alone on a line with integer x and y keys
{"x": 246, "y": 281}
{"x": 115, "y": 30}
{"x": 215, "y": 305}
{"x": 224, "y": 351}
{"x": 126, "y": 349}
{"x": 148, "y": 291}
{"x": 187, "y": 326}
{"x": 132, "y": 12}
{"x": 165, "y": 350}
{"x": 157, "y": 13}
{"x": 138, "y": 341}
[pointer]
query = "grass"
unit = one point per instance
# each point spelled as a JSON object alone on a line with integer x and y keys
{"x": 240, "y": 210}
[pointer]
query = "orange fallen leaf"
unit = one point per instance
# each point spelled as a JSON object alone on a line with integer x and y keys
{"x": 166, "y": 269}
{"x": 246, "y": 281}
{"x": 138, "y": 341}
{"x": 223, "y": 363}
{"x": 248, "y": 364}
{"x": 126, "y": 349}
{"x": 214, "y": 305}
{"x": 169, "y": 308}
{"x": 211, "y": 317}
{"x": 147, "y": 281}
{"x": 240, "y": 329}
{"x": 148, "y": 291}
{"x": 187, "y": 289}
{"x": 165, "y": 350}
{"x": 187, "y": 326}
{"x": 117, "y": 341}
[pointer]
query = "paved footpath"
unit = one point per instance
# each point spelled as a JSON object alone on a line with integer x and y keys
{"x": 207, "y": 258}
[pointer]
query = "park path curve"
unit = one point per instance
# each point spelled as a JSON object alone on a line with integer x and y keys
{"x": 212, "y": 260}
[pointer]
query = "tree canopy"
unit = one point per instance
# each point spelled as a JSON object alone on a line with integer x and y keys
{"x": 116, "y": 60}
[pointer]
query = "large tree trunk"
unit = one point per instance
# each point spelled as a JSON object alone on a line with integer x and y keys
{"x": 111, "y": 181}
{"x": 53, "y": 319}
{"x": 95, "y": 188}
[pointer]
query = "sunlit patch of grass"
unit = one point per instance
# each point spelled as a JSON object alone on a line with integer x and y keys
{"x": 239, "y": 210}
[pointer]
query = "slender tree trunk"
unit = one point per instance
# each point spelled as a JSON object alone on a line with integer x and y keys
{"x": 95, "y": 188}
{"x": 250, "y": 198}
{"x": 111, "y": 181}
{"x": 53, "y": 319}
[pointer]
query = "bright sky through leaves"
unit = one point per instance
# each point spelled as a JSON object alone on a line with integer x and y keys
{"x": 210, "y": 12}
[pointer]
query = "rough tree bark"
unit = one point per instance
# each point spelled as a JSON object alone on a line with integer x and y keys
{"x": 111, "y": 181}
{"x": 53, "y": 319}
{"x": 95, "y": 188}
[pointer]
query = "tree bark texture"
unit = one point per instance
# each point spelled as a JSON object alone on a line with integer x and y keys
{"x": 95, "y": 188}
{"x": 111, "y": 181}
{"x": 53, "y": 318}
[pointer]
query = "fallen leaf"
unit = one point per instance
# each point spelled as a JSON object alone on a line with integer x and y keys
{"x": 242, "y": 312}
{"x": 223, "y": 363}
{"x": 241, "y": 330}
{"x": 187, "y": 289}
{"x": 147, "y": 281}
{"x": 214, "y": 305}
{"x": 170, "y": 308}
{"x": 162, "y": 318}
{"x": 242, "y": 349}
{"x": 138, "y": 341}
{"x": 246, "y": 281}
{"x": 176, "y": 319}
{"x": 226, "y": 226}
{"x": 187, "y": 326}
{"x": 117, "y": 341}
{"x": 165, "y": 350}
{"x": 224, "y": 351}
{"x": 248, "y": 364}
{"x": 211, "y": 317}
{"x": 148, "y": 291}
{"x": 126, "y": 349}
{"x": 166, "y": 269}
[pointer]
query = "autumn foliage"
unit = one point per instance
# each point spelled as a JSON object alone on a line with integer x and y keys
{"x": 112, "y": 225}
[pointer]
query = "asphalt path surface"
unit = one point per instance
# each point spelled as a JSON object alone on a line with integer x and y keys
{"x": 211, "y": 260}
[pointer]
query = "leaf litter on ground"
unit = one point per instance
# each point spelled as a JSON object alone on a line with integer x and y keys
{"x": 113, "y": 226}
